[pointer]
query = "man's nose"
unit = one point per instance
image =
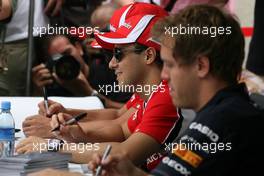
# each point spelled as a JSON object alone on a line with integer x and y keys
{"x": 113, "y": 64}
{"x": 165, "y": 74}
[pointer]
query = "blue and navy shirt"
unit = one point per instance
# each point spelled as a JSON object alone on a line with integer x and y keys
{"x": 223, "y": 139}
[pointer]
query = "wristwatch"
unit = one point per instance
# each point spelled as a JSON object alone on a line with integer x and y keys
{"x": 94, "y": 93}
{"x": 54, "y": 145}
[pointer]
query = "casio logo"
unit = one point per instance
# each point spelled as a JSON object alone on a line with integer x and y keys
{"x": 204, "y": 130}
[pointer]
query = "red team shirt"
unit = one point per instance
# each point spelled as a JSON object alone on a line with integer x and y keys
{"x": 157, "y": 118}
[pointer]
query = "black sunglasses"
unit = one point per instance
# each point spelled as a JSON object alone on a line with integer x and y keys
{"x": 118, "y": 53}
{"x": 108, "y": 54}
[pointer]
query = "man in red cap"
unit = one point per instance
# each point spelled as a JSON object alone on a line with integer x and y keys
{"x": 148, "y": 120}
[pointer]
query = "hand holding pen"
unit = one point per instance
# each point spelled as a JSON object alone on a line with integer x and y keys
{"x": 49, "y": 107}
{"x": 105, "y": 155}
{"x": 70, "y": 121}
{"x": 64, "y": 127}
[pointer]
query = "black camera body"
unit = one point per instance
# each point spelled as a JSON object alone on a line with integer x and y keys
{"x": 66, "y": 67}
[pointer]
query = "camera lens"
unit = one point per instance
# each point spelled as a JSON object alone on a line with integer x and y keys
{"x": 67, "y": 67}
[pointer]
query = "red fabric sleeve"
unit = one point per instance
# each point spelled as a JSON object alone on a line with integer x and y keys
{"x": 163, "y": 120}
{"x": 133, "y": 101}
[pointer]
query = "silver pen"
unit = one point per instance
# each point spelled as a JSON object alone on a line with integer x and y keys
{"x": 106, "y": 153}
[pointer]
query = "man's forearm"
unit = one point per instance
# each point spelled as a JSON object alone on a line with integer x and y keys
{"x": 92, "y": 115}
{"x": 98, "y": 131}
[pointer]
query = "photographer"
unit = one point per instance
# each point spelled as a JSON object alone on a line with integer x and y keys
{"x": 79, "y": 85}
{"x": 42, "y": 76}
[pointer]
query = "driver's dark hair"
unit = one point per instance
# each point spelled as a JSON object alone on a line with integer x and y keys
{"x": 224, "y": 51}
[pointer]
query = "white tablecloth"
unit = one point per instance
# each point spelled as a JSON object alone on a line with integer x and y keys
{"x": 22, "y": 107}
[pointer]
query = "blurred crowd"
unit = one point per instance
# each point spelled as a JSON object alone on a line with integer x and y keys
{"x": 124, "y": 43}
{"x": 74, "y": 15}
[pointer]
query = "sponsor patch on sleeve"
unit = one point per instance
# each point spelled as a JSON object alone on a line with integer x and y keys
{"x": 188, "y": 156}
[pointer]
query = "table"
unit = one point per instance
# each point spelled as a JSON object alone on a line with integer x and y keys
{"x": 22, "y": 107}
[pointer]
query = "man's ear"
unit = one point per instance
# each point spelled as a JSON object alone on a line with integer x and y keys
{"x": 150, "y": 55}
{"x": 78, "y": 46}
{"x": 203, "y": 66}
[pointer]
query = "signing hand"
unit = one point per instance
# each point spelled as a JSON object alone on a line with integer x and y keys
{"x": 54, "y": 108}
{"x": 70, "y": 133}
{"x": 118, "y": 165}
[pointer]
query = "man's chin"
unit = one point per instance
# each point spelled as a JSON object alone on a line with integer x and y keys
{"x": 121, "y": 83}
{"x": 177, "y": 103}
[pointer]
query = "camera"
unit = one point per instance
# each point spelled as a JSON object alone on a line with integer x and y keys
{"x": 65, "y": 66}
